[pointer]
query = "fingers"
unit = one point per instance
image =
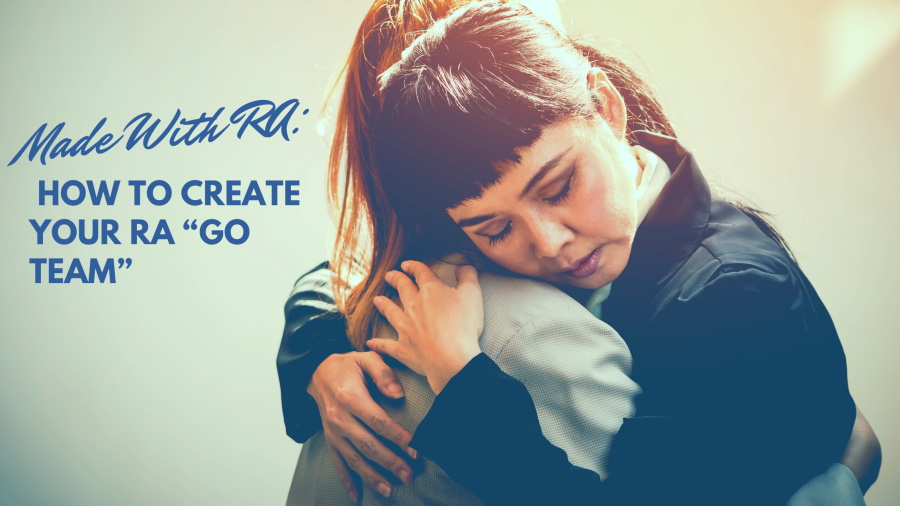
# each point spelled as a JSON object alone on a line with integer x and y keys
{"x": 391, "y": 348}
{"x": 345, "y": 420}
{"x": 344, "y": 474}
{"x": 345, "y": 405}
{"x": 372, "y": 414}
{"x": 421, "y": 272}
{"x": 398, "y": 350}
{"x": 384, "y": 346}
{"x": 466, "y": 274}
{"x": 385, "y": 426}
{"x": 346, "y": 433}
{"x": 405, "y": 286}
{"x": 370, "y": 447}
{"x": 373, "y": 365}
{"x": 362, "y": 467}
{"x": 390, "y": 310}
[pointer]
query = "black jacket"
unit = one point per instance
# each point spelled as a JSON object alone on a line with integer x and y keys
{"x": 744, "y": 380}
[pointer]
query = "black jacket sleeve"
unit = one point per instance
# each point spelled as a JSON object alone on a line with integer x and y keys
{"x": 483, "y": 430}
{"x": 751, "y": 357}
{"x": 746, "y": 399}
{"x": 313, "y": 330}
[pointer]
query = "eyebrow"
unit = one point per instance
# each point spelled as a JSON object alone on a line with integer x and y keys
{"x": 547, "y": 167}
{"x": 468, "y": 222}
{"x": 535, "y": 179}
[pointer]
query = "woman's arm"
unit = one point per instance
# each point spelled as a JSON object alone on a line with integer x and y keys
{"x": 323, "y": 385}
{"x": 727, "y": 375}
{"x": 483, "y": 431}
{"x": 483, "y": 428}
{"x": 313, "y": 330}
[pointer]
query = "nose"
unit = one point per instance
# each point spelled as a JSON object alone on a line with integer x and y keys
{"x": 550, "y": 237}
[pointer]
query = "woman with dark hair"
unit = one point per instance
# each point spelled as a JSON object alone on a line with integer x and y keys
{"x": 500, "y": 137}
{"x": 581, "y": 402}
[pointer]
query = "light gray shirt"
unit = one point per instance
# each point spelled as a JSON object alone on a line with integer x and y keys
{"x": 575, "y": 367}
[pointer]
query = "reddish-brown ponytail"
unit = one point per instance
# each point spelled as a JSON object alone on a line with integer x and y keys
{"x": 371, "y": 236}
{"x": 370, "y": 240}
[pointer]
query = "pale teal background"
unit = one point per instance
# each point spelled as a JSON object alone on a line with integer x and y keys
{"x": 162, "y": 389}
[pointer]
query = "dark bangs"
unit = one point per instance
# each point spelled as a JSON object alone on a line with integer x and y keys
{"x": 466, "y": 94}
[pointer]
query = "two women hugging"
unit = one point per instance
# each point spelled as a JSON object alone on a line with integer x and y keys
{"x": 551, "y": 304}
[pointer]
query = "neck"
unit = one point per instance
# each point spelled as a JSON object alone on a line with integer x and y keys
{"x": 641, "y": 163}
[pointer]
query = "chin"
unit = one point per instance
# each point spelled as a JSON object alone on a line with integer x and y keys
{"x": 592, "y": 282}
{"x": 598, "y": 280}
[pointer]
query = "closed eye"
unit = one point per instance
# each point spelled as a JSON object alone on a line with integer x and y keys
{"x": 494, "y": 239}
{"x": 561, "y": 196}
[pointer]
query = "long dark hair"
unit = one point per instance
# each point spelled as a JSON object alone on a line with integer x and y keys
{"x": 467, "y": 93}
{"x": 379, "y": 222}
{"x": 369, "y": 240}
{"x": 472, "y": 89}
{"x": 449, "y": 115}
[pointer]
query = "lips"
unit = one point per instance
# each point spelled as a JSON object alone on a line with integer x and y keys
{"x": 586, "y": 266}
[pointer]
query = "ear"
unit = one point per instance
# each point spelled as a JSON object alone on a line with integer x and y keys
{"x": 612, "y": 105}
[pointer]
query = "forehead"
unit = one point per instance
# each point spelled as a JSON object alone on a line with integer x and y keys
{"x": 560, "y": 138}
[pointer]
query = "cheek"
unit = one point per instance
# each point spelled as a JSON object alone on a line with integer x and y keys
{"x": 606, "y": 211}
{"x": 500, "y": 254}
{"x": 511, "y": 254}
{"x": 511, "y": 263}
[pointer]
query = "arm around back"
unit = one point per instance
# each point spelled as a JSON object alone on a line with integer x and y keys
{"x": 745, "y": 399}
{"x": 575, "y": 367}
{"x": 313, "y": 330}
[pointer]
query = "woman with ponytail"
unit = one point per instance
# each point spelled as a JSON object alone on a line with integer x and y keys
{"x": 519, "y": 314}
{"x": 495, "y": 135}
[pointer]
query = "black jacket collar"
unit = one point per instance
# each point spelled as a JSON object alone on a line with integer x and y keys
{"x": 671, "y": 231}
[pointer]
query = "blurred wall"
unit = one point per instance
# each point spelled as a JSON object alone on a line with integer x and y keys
{"x": 161, "y": 389}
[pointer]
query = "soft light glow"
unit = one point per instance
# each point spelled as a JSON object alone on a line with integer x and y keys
{"x": 857, "y": 34}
